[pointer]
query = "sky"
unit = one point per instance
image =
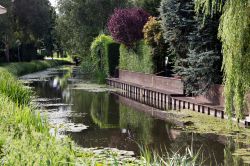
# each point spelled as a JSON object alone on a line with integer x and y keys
{"x": 53, "y": 2}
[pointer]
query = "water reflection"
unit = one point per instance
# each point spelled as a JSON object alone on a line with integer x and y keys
{"x": 118, "y": 123}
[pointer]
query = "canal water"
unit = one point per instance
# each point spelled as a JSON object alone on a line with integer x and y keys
{"x": 96, "y": 116}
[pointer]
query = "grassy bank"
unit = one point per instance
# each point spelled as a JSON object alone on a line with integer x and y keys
{"x": 21, "y": 68}
{"x": 25, "y": 137}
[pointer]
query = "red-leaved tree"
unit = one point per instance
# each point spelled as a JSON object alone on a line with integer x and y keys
{"x": 126, "y": 25}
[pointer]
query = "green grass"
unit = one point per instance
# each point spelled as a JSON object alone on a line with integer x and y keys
{"x": 10, "y": 87}
{"x": 25, "y": 138}
{"x": 21, "y": 68}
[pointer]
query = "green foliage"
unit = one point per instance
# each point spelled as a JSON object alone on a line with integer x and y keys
{"x": 177, "y": 18}
{"x": 9, "y": 86}
{"x": 153, "y": 36}
{"x": 22, "y": 68}
{"x": 189, "y": 158}
{"x": 104, "y": 56}
{"x": 203, "y": 62}
{"x": 235, "y": 36}
{"x": 26, "y": 27}
{"x": 26, "y": 139}
{"x": 153, "y": 33}
{"x": 234, "y": 32}
{"x": 193, "y": 42}
{"x": 150, "y": 6}
{"x": 138, "y": 59}
{"x": 79, "y": 22}
{"x": 99, "y": 52}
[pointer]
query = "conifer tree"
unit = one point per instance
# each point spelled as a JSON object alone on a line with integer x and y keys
{"x": 194, "y": 44}
{"x": 203, "y": 62}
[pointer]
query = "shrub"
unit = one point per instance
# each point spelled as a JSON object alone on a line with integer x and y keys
{"x": 99, "y": 52}
{"x": 153, "y": 33}
{"x": 153, "y": 36}
{"x": 138, "y": 59}
{"x": 104, "y": 58}
{"x": 126, "y": 25}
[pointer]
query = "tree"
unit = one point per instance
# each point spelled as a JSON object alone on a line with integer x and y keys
{"x": 234, "y": 32}
{"x": 194, "y": 43}
{"x": 153, "y": 35}
{"x": 34, "y": 25}
{"x": 33, "y": 19}
{"x": 126, "y": 25}
{"x": 80, "y": 21}
{"x": 203, "y": 59}
{"x": 7, "y": 29}
{"x": 177, "y": 23}
{"x": 150, "y": 6}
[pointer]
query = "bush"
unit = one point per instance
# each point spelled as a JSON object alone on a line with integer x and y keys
{"x": 153, "y": 35}
{"x": 138, "y": 59}
{"x": 126, "y": 25}
{"x": 104, "y": 58}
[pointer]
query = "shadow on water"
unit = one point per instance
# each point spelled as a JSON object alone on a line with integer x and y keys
{"x": 116, "y": 124}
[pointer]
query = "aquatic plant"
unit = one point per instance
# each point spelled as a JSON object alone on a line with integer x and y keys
{"x": 189, "y": 158}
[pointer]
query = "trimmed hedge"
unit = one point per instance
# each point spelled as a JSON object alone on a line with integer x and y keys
{"x": 138, "y": 59}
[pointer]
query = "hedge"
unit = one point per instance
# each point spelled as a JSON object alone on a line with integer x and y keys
{"x": 137, "y": 59}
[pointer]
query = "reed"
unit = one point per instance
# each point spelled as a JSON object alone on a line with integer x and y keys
{"x": 188, "y": 158}
{"x": 12, "y": 88}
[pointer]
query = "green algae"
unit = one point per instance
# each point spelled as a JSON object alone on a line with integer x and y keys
{"x": 235, "y": 136}
{"x": 208, "y": 124}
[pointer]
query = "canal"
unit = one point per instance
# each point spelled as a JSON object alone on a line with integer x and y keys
{"x": 96, "y": 116}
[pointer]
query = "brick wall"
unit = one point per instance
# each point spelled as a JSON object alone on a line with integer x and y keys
{"x": 149, "y": 80}
{"x": 215, "y": 96}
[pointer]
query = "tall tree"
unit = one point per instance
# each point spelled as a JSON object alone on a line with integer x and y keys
{"x": 177, "y": 23}
{"x": 234, "y": 32}
{"x": 7, "y": 29}
{"x": 34, "y": 25}
{"x": 80, "y": 21}
{"x": 193, "y": 43}
{"x": 203, "y": 62}
{"x": 150, "y": 6}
